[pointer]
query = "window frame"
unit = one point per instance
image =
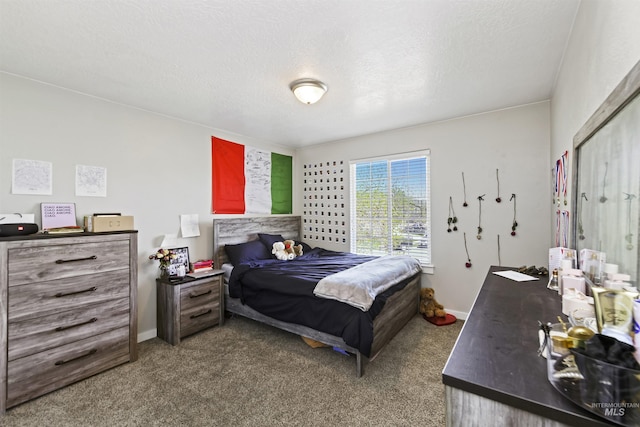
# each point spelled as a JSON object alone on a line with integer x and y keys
{"x": 426, "y": 154}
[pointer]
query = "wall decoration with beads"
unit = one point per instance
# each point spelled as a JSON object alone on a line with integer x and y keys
{"x": 325, "y": 192}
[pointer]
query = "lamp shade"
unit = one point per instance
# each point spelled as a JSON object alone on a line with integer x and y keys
{"x": 308, "y": 91}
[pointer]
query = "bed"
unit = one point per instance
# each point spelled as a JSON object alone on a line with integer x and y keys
{"x": 390, "y": 311}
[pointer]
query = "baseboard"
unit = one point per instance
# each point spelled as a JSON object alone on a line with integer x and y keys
{"x": 459, "y": 314}
{"x": 147, "y": 335}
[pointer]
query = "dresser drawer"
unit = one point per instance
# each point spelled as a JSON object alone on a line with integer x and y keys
{"x": 55, "y": 261}
{"x": 199, "y": 307}
{"x": 41, "y": 373}
{"x": 43, "y": 333}
{"x": 44, "y": 298}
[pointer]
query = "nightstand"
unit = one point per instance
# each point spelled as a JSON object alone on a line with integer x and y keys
{"x": 189, "y": 306}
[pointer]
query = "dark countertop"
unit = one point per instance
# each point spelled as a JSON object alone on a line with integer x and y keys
{"x": 496, "y": 356}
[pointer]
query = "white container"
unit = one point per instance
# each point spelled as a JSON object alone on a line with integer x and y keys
{"x": 573, "y": 300}
{"x": 592, "y": 264}
{"x": 573, "y": 279}
{"x": 559, "y": 254}
{"x": 618, "y": 282}
{"x": 610, "y": 270}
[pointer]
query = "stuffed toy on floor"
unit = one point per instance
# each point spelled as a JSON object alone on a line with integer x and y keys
{"x": 432, "y": 310}
{"x": 428, "y": 304}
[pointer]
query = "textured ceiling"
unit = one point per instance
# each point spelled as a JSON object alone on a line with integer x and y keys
{"x": 227, "y": 64}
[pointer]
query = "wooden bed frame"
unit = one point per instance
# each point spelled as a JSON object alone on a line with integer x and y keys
{"x": 397, "y": 311}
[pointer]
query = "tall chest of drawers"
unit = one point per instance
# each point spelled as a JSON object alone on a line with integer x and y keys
{"x": 67, "y": 308}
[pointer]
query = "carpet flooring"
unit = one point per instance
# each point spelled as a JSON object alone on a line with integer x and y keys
{"x": 249, "y": 374}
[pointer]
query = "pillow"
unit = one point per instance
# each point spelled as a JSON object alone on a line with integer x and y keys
{"x": 246, "y": 252}
{"x": 269, "y": 239}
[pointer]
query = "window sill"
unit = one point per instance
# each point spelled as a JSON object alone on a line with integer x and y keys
{"x": 428, "y": 269}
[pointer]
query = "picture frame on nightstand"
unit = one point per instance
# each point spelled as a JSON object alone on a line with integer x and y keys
{"x": 181, "y": 259}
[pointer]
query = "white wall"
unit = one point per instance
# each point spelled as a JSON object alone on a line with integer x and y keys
{"x": 603, "y": 47}
{"x": 157, "y": 167}
{"x": 516, "y": 141}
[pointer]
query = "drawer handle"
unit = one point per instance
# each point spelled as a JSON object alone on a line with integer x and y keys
{"x": 82, "y": 356}
{"x": 192, "y": 295}
{"x": 60, "y": 294}
{"x": 64, "y": 328}
{"x": 193, "y": 316}
{"x": 62, "y": 261}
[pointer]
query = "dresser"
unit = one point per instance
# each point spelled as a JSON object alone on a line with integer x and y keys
{"x": 68, "y": 310}
{"x": 189, "y": 306}
{"x": 494, "y": 371}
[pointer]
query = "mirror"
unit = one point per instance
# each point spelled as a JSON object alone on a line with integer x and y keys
{"x": 606, "y": 184}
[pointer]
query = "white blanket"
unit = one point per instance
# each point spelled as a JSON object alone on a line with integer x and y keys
{"x": 359, "y": 285}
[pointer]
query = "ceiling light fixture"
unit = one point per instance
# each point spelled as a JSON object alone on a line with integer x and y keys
{"x": 308, "y": 91}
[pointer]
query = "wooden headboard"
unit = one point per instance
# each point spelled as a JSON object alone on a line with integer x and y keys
{"x": 230, "y": 231}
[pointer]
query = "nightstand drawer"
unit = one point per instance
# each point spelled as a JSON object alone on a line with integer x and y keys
{"x": 199, "y": 306}
{"x": 43, "y": 263}
{"x": 198, "y": 318}
{"x": 43, "y": 333}
{"x": 199, "y": 295}
{"x": 40, "y": 373}
{"x": 44, "y": 298}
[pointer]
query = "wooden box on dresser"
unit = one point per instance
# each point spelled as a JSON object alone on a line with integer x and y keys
{"x": 68, "y": 310}
{"x": 189, "y": 306}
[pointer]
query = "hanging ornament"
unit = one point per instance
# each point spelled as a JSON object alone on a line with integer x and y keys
{"x": 498, "y": 199}
{"x": 515, "y": 223}
{"x": 603, "y": 198}
{"x": 464, "y": 189}
{"x": 629, "y": 237}
{"x": 480, "y": 200}
{"x": 580, "y": 227}
{"x": 499, "y": 260}
{"x": 565, "y": 174}
{"x": 468, "y": 263}
{"x": 561, "y": 177}
{"x": 452, "y": 219}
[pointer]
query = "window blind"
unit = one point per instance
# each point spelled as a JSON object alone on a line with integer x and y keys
{"x": 390, "y": 206}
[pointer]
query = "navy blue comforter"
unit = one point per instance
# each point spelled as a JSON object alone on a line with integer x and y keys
{"x": 283, "y": 290}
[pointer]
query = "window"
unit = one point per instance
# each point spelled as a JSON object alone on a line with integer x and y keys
{"x": 390, "y": 206}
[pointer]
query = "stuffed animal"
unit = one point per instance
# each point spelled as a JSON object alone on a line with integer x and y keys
{"x": 298, "y": 250}
{"x": 289, "y": 248}
{"x": 279, "y": 251}
{"x": 428, "y": 304}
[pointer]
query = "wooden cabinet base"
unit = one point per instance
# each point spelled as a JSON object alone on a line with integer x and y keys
{"x": 189, "y": 306}
{"x": 68, "y": 310}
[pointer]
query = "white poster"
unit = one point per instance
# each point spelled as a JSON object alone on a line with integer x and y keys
{"x": 257, "y": 175}
{"x": 189, "y": 225}
{"x": 32, "y": 177}
{"x": 91, "y": 181}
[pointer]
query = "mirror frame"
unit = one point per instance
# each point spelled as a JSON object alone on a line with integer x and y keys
{"x": 623, "y": 94}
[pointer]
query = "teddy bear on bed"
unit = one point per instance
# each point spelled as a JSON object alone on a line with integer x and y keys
{"x": 292, "y": 249}
{"x": 280, "y": 252}
{"x": 428, "y": 304}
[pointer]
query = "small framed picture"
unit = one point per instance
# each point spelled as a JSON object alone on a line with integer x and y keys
{"x": 181, "y": 259}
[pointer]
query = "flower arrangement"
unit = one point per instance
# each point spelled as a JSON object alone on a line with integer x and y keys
{"x": 164, "y": 256}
